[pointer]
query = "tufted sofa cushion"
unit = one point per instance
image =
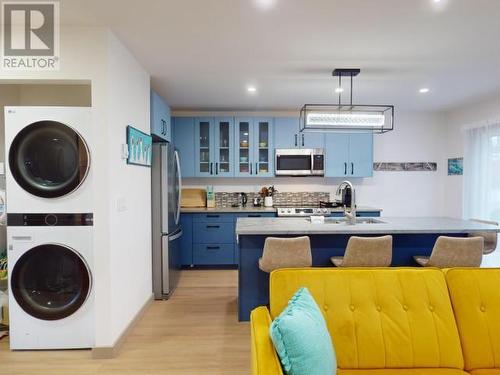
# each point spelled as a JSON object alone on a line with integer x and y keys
{"x": 380, "y": 318}
{"x": 413, "y": 371}
{"x": 476, "y": 302}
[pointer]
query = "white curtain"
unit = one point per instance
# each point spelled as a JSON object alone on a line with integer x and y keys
{"x": 481, "y": 198}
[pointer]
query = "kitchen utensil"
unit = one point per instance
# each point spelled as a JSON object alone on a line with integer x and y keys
{"x": 256, "y": 201}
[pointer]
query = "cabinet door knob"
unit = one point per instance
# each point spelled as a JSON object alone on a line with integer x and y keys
{"x": 303, "y": 143}
{"x": 251, "y": 168}
{"x": 345, "y": 168}
{"x": 295, "y": 140}
{"x": 216, "y": 168}
{"x": 211, "y": 168}
{"x": 256, "y": 169}
{"x": 352, "y": 168}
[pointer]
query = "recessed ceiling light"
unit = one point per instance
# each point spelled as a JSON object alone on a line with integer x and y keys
{"x": 424, "y": 90}
{"x": 265, "y": 4}
{"x": 338, "y": 90}
{"x": 252, "y": 89}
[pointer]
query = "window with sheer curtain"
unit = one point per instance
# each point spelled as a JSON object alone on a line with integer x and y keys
{"x": 482, "y": 172}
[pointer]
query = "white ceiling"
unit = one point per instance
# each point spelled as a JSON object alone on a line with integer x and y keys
{"x": 204, "y": 53}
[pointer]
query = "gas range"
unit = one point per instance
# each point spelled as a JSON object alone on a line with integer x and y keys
{"x": 303, "y": 211}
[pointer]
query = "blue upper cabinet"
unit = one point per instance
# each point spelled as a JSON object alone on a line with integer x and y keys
{"x": 349, "y": 155}
{"x": 337, "y": 154}
{"x": 361, "y": 155}
{"x": 254, "y": 147}
{"x": 263, "y": 151}
{"x": 183, "y": 129}
{"x": 287, "y": 135}
{"x": 160, "y": 118}
{"x": 204, "y": 141}
{"x": 286, "y": 132}
{"x": 244, "y": 144}
{"x": 224, "y": 147}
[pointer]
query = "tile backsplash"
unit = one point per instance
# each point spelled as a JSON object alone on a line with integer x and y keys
{"x": 223, "y": 199}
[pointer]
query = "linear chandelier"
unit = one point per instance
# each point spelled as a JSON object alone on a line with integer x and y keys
{"x": 346, "y": 117}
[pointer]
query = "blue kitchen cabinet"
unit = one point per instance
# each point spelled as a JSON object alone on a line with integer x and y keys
{"x": 243, "y": 131}
{"x": 287, "y": 135}
{"x": 183, "y": 129}
{"x": 204, "y": 143}
{"x": 187, "y": 240}
{"x": 224, "y": 147}
{"x": 160, "y": 118}
{"x": 254, "y": 147}
{"x": 264, "y": 148}
{"x": 286, "y": 132}
{"x": 214, "y": 147}
{"x": 336, "y": 154}
{"x": 349, "y": 155}
{"x": 213, "y": 239}
{"x": 361, "y": 155}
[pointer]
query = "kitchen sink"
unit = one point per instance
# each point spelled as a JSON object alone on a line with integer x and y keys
{"x": 359, "y": 220}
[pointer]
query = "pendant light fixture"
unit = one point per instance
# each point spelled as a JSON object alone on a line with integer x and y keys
{"x": 347, "y": 118}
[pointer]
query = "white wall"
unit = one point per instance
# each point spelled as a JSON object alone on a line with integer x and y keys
{"x": 457, "y": 119}
{"x": 130, "y": 229}
{"x": 92, "y": 55}
{"x": 417, "y": 137}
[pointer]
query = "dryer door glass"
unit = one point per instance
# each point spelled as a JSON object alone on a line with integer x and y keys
{"x": 50, "y": 282}
{"x": 49, "y": 159}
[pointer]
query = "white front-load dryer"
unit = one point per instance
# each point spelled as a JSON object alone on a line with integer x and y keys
{"x": 51, "y": 296}
{"x": 48, "y": 168}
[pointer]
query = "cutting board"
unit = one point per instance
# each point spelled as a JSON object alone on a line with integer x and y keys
{"x": 194, "y": 198}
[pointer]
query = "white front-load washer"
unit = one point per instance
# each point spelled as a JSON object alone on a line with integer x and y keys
{"x": 48, "y": 168}
{"x": 51, "y": 297}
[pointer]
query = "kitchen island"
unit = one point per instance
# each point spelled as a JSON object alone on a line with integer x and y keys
{"x": 411, "y": 236}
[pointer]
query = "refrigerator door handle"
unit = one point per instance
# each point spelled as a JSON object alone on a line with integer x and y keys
{"x": 179, "y": 182}
{"x": 175, "y": 236}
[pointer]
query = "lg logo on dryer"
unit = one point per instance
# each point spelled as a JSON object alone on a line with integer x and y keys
{"x": 30, "y": 39}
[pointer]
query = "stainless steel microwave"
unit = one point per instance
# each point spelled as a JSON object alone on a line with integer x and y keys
{"x": 300, "y": 162}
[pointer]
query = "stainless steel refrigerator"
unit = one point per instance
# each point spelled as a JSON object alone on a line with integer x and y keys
{"x": 166, "y": 208}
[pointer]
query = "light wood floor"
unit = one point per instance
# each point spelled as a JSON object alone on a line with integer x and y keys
{"x": 195, "y": 332}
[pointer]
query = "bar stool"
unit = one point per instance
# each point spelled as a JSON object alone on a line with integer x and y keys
{"x": 451, "y": 252}
{"x": 285, "y": 253}
{"x": 490, "y": 238}
{"x": 366, "y": 252}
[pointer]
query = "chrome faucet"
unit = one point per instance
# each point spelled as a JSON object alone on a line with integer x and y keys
{"x": 349, "y": 212}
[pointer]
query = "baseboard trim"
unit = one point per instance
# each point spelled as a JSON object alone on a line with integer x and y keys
{"x": 108, "y": 352}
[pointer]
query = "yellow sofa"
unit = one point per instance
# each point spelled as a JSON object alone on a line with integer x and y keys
{"x": 394, "y": 321}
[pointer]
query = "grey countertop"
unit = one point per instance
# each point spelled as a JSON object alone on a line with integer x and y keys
{"x": 389, "y": 225}
{"x": 261, "y": 209}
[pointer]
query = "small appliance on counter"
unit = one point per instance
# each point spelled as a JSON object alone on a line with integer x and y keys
{"x": 257, "y": 201}
{"x": 242, "y": 199}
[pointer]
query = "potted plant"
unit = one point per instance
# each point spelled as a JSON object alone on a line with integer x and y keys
{"x": 267, "y": 193}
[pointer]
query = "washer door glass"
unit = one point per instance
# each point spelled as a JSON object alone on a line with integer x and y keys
{"x": 49, "y": 159}
{"x": 50, "y": 282}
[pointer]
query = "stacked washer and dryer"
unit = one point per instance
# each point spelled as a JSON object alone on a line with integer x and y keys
{"x": 49, "y": 227}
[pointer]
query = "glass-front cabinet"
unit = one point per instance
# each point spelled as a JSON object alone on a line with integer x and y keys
{"x": 204, "y": 140}
{"x": 253, "y": 145}
{"x": 244, "y": 144}
{"x": 224, "y": 147}
{"x": 263, "y": 157}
